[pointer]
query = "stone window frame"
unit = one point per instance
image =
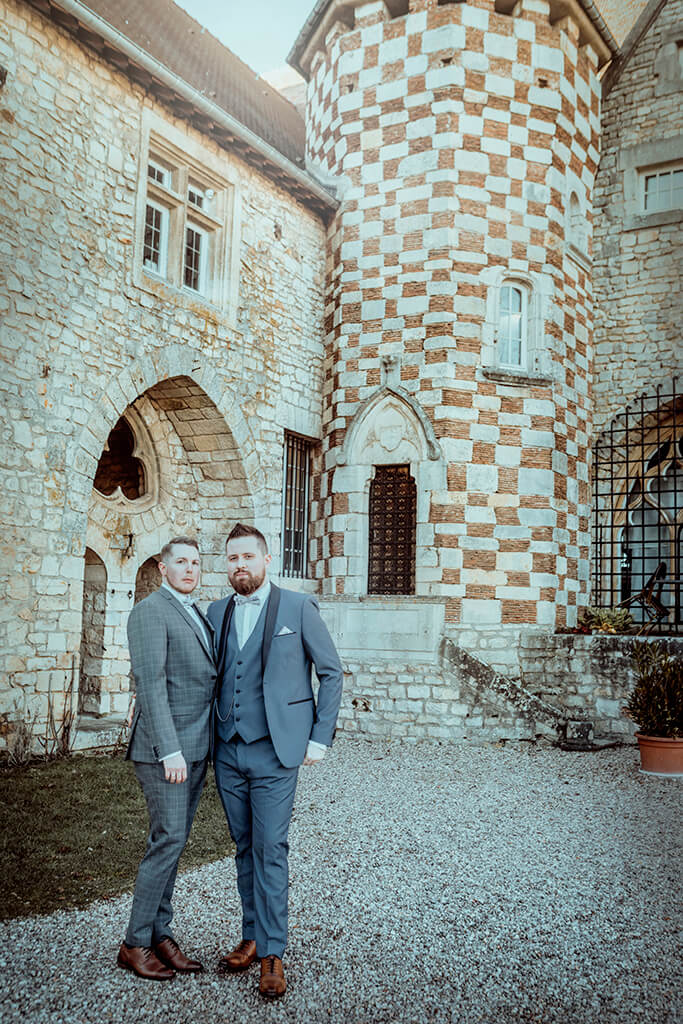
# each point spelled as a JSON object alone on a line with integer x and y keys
{"x": 535, "y": 368}
{"x": 633, "y": 163}
{"x": 145, "y": 451}
{"x": 189, "y": 168}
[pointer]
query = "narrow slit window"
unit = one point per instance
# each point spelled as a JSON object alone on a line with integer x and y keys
{"x": 512, "y": 330}
{"x": 156, "y": 238}
{"x": 196, "y": 243}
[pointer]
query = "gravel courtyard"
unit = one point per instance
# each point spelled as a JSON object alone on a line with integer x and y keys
{"x": 428, "y": 883}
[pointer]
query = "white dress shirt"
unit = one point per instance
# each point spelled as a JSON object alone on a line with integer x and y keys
{"x": 246, "y": 615}
{"x": 187, "y": 601}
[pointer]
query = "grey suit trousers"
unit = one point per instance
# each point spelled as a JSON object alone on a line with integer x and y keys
{"x": 172, "y": 808}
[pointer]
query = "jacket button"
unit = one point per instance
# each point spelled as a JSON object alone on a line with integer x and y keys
{"x": 239, "y": 662}
{"x": 238, "y": 691}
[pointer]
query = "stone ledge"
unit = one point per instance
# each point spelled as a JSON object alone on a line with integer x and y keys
{"x": 516, "y": 378}
{"x": 97, "y": 731}
{"x": 641, "y": 221}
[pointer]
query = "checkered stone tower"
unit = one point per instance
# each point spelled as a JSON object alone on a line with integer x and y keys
{"x": 462, "y": 140}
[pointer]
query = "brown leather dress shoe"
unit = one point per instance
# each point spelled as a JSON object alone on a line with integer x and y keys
{"x": 241, "y": 957}
{"x": 170, "y": 953}
{"x": 272, "y": 983}
{"x": 143, "y": 962}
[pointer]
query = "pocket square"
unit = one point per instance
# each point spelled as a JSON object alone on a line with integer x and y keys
{"x": 284, "y": 631}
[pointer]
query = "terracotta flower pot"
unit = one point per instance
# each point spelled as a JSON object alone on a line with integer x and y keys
{"x": 659, "y": 756}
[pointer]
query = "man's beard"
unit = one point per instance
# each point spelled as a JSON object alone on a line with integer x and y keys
{"x": 246, "y": 584}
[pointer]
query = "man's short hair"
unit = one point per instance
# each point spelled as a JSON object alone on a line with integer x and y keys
{"x": 240, "y": 530}
{"x": 167, "y": 550}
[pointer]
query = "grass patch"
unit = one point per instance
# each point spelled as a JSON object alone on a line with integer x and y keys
{"x": 74, "y": 830}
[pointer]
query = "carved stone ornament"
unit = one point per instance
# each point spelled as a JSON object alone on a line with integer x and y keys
{"x": 390, "y": 426}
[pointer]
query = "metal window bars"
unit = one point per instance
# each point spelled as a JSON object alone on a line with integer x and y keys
{"x": 393, "y": 513}
{"x": 295, "y": 506}
{"x": 638, "y": 507}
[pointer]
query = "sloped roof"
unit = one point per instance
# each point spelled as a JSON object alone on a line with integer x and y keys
{"x": 648, "y": 16}
{"x": 620, "y": 15}
{"x": 176, "y": 40}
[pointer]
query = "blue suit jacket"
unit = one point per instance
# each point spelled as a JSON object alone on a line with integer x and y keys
{"x": 294, "y": 638}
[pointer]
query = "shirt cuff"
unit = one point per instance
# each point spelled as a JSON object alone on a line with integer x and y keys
{"x": 315, "y": 751}
{"x": 174, "y": 754}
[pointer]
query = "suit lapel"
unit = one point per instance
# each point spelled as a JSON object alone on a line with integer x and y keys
{"x": 196, "y": 628}
{"x": 223, "y": 640}
{"x": 269, "y": 627}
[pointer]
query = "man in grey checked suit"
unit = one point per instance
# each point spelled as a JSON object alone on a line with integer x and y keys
{"x": 172, "y": 657}
{"x": 266, "y": 725}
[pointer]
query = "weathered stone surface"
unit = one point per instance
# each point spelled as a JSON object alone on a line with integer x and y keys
{"x": 464, "y": 145}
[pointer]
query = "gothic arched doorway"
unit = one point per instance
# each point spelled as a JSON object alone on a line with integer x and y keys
{"x": 92, "y": 633}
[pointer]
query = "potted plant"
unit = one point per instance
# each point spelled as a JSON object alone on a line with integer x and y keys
{"x": 656, "y": 706}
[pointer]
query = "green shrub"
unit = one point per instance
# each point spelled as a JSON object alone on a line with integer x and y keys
{"x": 656, "y": 701}
{"x": 606, "y": 620}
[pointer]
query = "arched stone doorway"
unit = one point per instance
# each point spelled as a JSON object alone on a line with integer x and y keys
{"x": 148, "y": 579}
{"x": 390, "y": 442}
{"x": 92, "y": 633}
{"x": 170, "y": 466}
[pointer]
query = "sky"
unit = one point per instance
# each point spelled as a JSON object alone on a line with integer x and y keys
{"x": 260, "y": 32}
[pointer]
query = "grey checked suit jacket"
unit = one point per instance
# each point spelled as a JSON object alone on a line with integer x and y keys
{"x": 294, "y": 638}
{"x": 175, "y": 678}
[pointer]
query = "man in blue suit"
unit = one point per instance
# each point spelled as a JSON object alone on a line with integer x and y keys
{"x": 266, "y": 724}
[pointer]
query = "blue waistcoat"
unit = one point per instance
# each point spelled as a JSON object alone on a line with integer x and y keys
{"x": 241, "y": 708}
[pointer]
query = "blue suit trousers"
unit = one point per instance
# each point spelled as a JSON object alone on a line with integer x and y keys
{"x": 257, "y": 793}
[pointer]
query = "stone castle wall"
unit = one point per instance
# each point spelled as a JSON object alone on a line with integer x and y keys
{"x": 639, "y": 255}
{"x": 464, "y": 146}
{"x": 563, "y": 683}
{"x": 457, "y": 137}
{"x": 86, "y": 335}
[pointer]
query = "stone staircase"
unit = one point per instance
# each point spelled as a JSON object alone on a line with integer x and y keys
{"x": 459, "y": 697}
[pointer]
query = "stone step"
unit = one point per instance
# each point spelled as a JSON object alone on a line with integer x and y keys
{"x": 97, "y": 731}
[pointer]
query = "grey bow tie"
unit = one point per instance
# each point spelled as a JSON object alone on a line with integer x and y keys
{"x": 241, "y": 599}
{"x": 189, "y": 604}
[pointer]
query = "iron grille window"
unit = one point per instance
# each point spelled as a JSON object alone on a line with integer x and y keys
{"x": 393, "y": 509}
{"x": 638, "y": 508}
{"x": 295, "y": 505}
